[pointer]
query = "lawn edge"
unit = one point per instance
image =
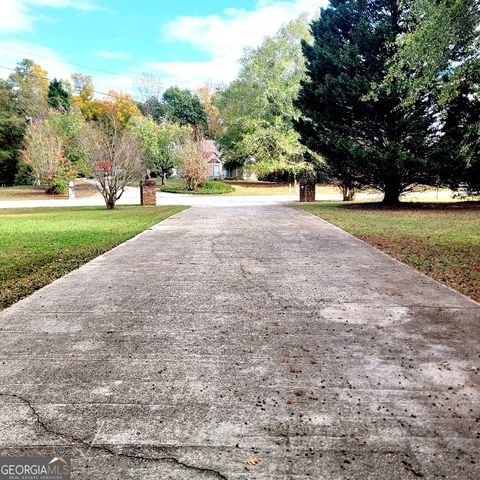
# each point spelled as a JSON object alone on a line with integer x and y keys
{"x": 152, "y": 227}
{"x": 475, "y": 303}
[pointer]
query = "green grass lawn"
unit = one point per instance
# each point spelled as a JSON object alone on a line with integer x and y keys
{"x": 39, "y": 245}
{"x": 441, "y": 240}
{"x": 30, "y": 192}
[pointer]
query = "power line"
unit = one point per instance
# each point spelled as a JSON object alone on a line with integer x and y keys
{"x": 49, "y": 79}
{"x": 67, "y": 63}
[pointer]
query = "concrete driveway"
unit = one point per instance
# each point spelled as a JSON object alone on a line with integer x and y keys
{"x": 244, "y": 343}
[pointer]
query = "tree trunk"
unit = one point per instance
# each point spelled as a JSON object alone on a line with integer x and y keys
{"x": 348, "y": 193}
{"x": 392, "y": 195}
{"x": 164, "y": 176}
{"x": 111, "y": 203}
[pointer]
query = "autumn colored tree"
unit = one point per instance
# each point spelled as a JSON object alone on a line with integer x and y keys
{"x": 83, "y": 97}
{"x": 192, "y": 162}
{"x": 44, "y": 153}
{"x": 208, "y": 95}
{"x": 120, "y": 106}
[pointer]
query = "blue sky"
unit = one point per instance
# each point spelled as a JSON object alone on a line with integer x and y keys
{"x": 187, "y": 42}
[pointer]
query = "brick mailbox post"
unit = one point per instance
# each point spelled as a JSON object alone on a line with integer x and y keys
{"x": 148, "y": 193}
{"x": 307, "y": 187}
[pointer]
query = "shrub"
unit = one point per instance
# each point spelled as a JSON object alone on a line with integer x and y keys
{"x": 57, "y": 186}
{"x": 207, "y": 187}
{"x": 215, "y": 187}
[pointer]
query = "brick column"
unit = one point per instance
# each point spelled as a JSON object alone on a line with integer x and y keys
{"x": 148, "y": 192}
{"x": 307, "y": 188}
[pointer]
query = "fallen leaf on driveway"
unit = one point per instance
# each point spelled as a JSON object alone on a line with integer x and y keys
{"x": 252, "y": 461}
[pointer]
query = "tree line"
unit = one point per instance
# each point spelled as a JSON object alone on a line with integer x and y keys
{"x": 382, "y": 94}
{"x": 52, "y": 131}
{"x": 373, "y": 93}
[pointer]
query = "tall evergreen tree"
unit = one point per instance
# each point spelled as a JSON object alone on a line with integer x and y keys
{"x": 12, "y": 127}
{"x": 58, "y": 96}
{"x": 437, "y": 61}
{"x": 370, "y": 139}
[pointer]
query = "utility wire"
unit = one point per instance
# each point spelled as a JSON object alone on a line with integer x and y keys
{"x": 67, "y": 63}
{"x": 49, "y": 79}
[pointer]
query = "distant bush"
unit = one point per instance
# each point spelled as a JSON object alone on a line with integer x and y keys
{"x": 215, "y": 187}
{"x": 57, "y": 186}
{"x": 208, "y": 187}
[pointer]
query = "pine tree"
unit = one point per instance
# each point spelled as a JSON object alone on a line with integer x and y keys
{"x": 365, "y": 139}
{"x": 58, "y": 96}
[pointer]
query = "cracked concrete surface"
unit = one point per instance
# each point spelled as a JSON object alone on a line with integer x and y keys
{"x": 243, "y": 343}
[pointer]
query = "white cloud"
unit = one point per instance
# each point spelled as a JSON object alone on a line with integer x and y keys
{"x": 11, "y": 52}
{"x": 17, "y": 15}
{"x": 115, "y": 55}
{"x": 223, "y": 38}
{"x": 193, "y": 74}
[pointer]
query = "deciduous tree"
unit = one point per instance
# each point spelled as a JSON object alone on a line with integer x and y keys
{"x": 160, "y": 143}
{"x": 183, "y": 107}
{"x": 115, "y": 158}
{"x": 44, "y": 154}
{"x": 30, "y": 83}
{"x": 257, "y": 108}
{"x": 192, "y": 162}
{"x": 208, "y": 95}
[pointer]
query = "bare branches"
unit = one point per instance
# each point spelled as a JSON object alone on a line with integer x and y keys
{"x": 115, "y": 159}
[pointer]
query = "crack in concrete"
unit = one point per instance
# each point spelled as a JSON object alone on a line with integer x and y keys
{"x": 213, "y": 245}
{"x": 84, "y": 443}
{"x": 247, "y": 276}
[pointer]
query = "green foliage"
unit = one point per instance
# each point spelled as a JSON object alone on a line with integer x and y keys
{"x": 437, "y": 63}
{"x": 12, "y": 127}
{"x": 25, "y": 175}
{"x": 215, "y": 187}
{"x": 209, "y": 187}
{"x": 376, "y": 142}
{"x": 183, "y": 107}
{"x": 257, "y": 108}
{"x": 58, "y": 96}
{"x": 57, "y": 186}
{"x": 30, "y": 83}
{"x": 69, "y": 125}
{"x": 159, "y": 143}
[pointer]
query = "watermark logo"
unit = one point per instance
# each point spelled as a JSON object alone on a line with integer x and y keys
{"x": 35, "y": 468}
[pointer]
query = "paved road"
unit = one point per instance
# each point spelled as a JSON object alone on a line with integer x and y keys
{"x": 132, "y": 197}
{"x": 244, "y": 343}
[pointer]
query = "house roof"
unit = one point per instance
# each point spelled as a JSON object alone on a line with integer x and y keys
{"x": 211, "y": 151}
